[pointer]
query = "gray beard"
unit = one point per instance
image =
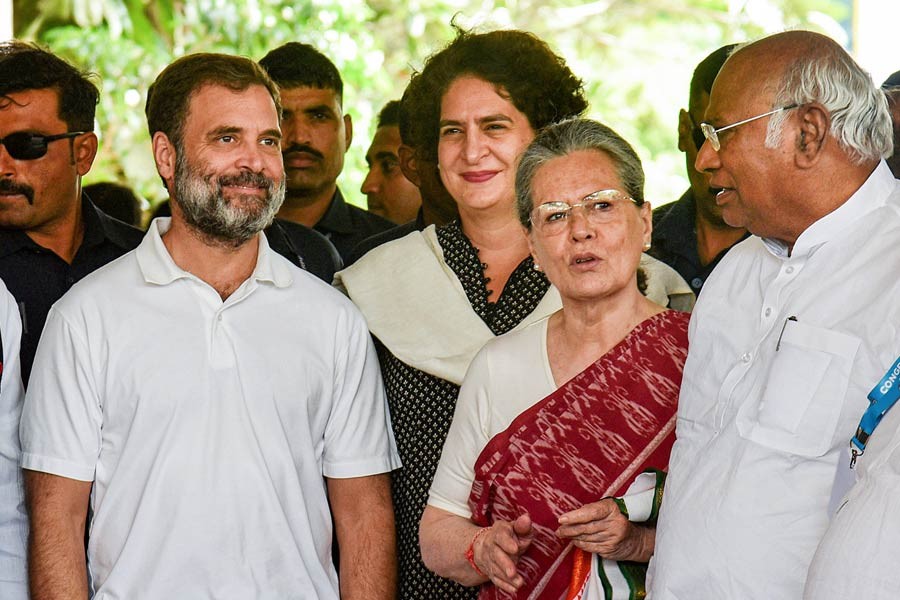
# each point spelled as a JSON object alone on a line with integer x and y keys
{"x": 219, "y": 220}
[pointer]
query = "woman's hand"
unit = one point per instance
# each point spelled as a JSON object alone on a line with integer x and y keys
{"x": 445, "y": 538}
{"x": 497, "y": 552}
{"x": 601, "y": 528}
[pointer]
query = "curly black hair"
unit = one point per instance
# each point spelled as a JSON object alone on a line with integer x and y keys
{"x": 523, "y": 66}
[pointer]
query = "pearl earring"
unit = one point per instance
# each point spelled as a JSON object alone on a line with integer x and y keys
{"x": 647, "y": 246}
{"x": 536, "y": 267}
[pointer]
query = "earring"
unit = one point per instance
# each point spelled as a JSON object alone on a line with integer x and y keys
{"x": 647, "y": 246}
{"x": 536, "y": 267}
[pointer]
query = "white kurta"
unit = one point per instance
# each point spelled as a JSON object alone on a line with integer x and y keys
{"x": 783, "y": 350}
{"x": 13, "y": 521}
{"x": 208, "y": 427}
{"x": 857, "y": 558}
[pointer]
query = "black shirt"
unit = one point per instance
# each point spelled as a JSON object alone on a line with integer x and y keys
{"x": 395, "y": 233}
{"x": 675, "y": 241}
{"x": 422, "y": 406}
{"x": 37, "y": 277}
{"x": 305, "y": 247}
{"x": 345, "y": 225}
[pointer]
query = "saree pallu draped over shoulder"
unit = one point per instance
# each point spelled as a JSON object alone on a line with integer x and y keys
{"x": 586, "y": 441}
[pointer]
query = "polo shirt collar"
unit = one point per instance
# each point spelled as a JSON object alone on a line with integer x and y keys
{"x": 158, "y": 268}
{"x": 337, "y": 218}
{"x": 871, "y": 195}
{"x": 95, "y": 232}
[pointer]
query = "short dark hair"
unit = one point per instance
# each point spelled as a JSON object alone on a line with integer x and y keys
{"x": 169, "y": 96}
{"x": 26, "y": 67}
{"x": 390, "y": 114}
{"x": 519, "y": 63}
{"x": 301, "y": 65}
{"x": 892, "y": 81}
{"x": 705, "y": 72}
{"x": 116, "y": 200}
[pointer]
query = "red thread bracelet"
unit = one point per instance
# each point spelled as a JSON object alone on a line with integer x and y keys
{"x": 470, "y": 553}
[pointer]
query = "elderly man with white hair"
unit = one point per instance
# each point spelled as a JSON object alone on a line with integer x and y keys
{"x": 792, "y": 330}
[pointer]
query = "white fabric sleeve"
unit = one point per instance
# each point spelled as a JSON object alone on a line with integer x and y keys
{"x": 13, "y": 520}
{"x": 359, "y": 440}
{"x": 469, "y": 434}
{"x": 638, "y": 498}
{"x": 62, "y": 415}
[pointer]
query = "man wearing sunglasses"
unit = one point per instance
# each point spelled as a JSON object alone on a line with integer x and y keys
{"x": 689, "y": 235}
{"x": 794, "y": 327}
{"x": 51, "y": 235}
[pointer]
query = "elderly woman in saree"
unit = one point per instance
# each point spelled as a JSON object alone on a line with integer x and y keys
{"x": 433, "y": 298}
{"x": 551, "y": 474}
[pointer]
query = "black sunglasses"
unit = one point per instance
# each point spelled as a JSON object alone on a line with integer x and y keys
{"x": 24, "y": 145}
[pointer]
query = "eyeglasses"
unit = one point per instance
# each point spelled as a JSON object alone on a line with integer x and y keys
{"x": 24, "y": 145}
{"x": 600, "y": 208}
{"x": 712, "y": 134}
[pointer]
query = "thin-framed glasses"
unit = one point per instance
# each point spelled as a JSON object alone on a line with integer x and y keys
{"x": 712, "y": 134}
{"x": 600, "y": 208}
{"x": 24, "y": 145}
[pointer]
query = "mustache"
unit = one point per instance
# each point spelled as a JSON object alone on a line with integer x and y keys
{"x": 246, "y": 179}
{"x": 302, "y": 148}
{"x": 10, "y": 186}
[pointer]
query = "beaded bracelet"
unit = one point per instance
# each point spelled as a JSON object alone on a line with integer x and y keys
{"x": 470, "y": 553}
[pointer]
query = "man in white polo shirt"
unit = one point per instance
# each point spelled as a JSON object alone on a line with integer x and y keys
{"x": 217, "y": 397}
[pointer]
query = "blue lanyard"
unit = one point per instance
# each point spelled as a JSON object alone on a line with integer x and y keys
{"x": 882, "y": 397}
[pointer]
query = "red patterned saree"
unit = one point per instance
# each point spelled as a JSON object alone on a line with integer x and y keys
{"x": 586, "y": 441}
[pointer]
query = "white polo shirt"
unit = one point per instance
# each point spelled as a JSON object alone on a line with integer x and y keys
{"x": 206, "y": 426}
{"x": 783, "y": 350}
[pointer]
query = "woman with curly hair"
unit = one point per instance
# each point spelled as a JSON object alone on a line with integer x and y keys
{"x": 433, "y": 298}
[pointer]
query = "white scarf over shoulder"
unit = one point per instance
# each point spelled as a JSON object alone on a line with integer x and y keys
{"x": 416, "y": 306}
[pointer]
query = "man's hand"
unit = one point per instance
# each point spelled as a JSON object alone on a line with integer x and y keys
{"x": 601, "y": 528}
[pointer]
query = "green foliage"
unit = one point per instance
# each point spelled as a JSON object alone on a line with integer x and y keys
{"x": 635, "y": 56}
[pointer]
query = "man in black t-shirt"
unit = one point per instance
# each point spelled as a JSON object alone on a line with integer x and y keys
{"x": 51, "y": 235}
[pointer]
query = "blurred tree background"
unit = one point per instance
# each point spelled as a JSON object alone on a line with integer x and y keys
{"x": 635, "y": 57}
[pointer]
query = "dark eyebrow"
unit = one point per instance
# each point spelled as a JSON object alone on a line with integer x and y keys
{"x": 271, "y": 133}
{"x": 225, "y": 130}
{"x": 380, "y": 155}
{"x": 386, "y": 154}
{"x": 319, "y": 108}
{"x": 480, "y": 121}
{"x": 493, "y": 118}
{"x": 234, "y": 129}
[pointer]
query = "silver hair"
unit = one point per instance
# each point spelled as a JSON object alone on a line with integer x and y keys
{"x": 860, "y": 121}
{"x": 574, "y": 135}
